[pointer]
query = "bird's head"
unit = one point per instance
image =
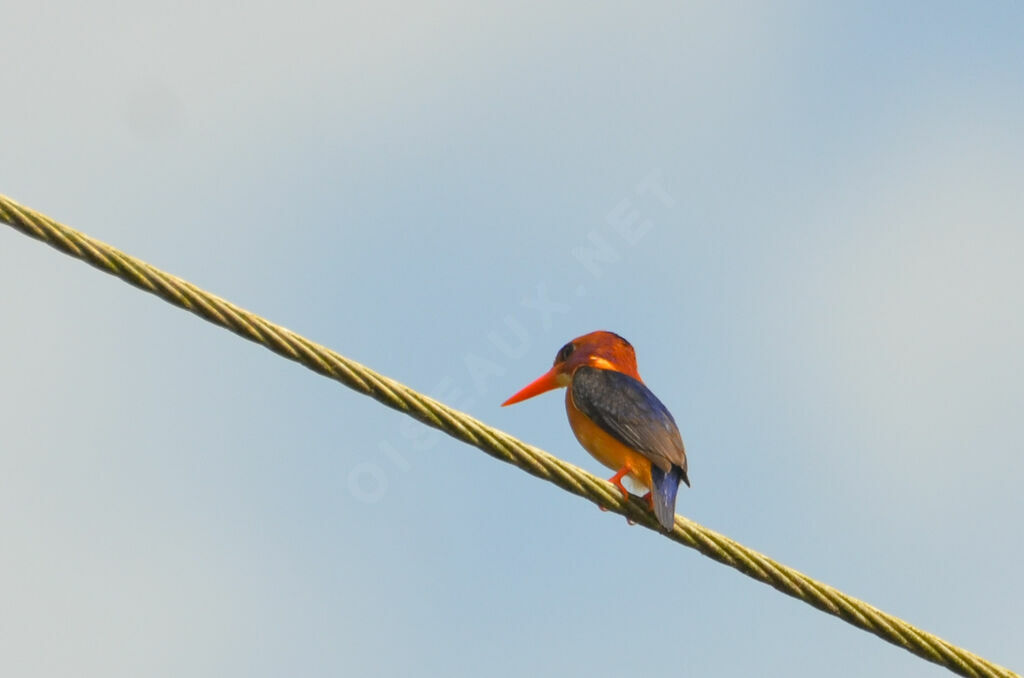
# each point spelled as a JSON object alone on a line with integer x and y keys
{"x": 603, "y": 350}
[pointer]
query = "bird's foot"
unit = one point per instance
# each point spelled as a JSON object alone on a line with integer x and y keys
{"x": 616, "y": 480}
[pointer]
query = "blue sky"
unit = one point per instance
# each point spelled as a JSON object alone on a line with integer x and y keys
{"x": 811, "y": 228}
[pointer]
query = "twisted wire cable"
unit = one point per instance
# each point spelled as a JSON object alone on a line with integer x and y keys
{"x": 494, "y": 442}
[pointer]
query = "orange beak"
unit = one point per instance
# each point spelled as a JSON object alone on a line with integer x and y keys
{"x": 545, "y": 382}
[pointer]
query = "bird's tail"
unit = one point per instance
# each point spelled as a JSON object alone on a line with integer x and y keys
{"x": 663, "y": 494}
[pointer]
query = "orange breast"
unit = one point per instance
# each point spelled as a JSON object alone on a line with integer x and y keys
{"x": 604, "y": 447}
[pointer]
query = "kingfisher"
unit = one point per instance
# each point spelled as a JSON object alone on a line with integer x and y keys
{"x": 616, "y": 418}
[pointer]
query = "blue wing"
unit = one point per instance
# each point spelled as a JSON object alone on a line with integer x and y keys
{"x": 629, "y": 412}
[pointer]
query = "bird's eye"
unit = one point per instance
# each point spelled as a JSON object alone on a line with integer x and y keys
{"x": 564, "y": 353}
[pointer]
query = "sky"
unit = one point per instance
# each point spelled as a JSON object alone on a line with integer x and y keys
{"x": 806, "y": 217}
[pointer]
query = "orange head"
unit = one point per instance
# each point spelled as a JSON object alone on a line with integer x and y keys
{"x": 604, "y": 350}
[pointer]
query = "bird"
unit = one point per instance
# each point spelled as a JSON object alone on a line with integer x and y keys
{"x": 616, "y": 418}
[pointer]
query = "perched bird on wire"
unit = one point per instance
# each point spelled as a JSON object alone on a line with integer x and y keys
{"x": 616, "y": 418}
